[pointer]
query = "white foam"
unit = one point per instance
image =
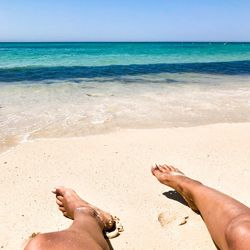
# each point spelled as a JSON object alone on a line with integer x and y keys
{"x": 67, "y": 109}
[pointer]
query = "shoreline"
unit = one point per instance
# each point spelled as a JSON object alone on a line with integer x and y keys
{"x": 112, "y": 171}
{"x": 26, "y": 139}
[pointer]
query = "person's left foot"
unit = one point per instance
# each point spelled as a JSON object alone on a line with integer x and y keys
{"x": 68, "y": 201}
{"x": 173, "y": 177}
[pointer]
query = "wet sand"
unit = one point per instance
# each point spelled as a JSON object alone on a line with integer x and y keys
{"x": 112, "y": 171}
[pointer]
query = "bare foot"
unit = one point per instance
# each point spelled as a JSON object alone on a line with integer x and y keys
{"x": 68, "y": 201}
{"x": 174, "y": 178}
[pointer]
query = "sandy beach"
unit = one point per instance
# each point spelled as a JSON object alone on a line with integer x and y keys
{"x": 112, "y": 171}
{"x": 93, "y": 94}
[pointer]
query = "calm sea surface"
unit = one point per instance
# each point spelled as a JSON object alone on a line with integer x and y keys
{"x": 76, "y": 89}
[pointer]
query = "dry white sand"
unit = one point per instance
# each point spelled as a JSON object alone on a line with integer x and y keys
{"x": 113, "y": 172}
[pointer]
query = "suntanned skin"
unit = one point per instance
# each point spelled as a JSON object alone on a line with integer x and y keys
{"x": 227, "y": 220}
{"x": 86, "y": 231}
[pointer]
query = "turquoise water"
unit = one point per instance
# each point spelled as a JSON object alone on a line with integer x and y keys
{"x": 103, "y": 54}
{"x": 75, "y": 89}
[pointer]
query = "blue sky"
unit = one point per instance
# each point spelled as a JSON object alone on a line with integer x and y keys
{"x": 130, "y": 20}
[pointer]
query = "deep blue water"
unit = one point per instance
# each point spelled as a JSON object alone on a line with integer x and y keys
{"x": 46, "y": 61}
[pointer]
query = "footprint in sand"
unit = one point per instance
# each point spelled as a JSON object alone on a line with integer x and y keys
{"x": 165, "y": 219}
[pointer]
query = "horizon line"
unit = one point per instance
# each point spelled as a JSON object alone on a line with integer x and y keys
{"x": 106, "y": 41}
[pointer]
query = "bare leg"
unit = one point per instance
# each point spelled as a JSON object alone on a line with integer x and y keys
{"x": 86, "y": 231}
{"x": 227, "y": 220}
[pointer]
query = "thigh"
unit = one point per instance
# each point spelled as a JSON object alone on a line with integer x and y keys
{"x": 66, "y": 240}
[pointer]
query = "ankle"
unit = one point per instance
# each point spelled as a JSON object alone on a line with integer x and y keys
{"x": 88, "y": 213}
{"x": 84, "y": 211}
{"x": 189, "y": 186}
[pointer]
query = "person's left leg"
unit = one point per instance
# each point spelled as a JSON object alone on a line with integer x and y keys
{"x": 86, "y": 231}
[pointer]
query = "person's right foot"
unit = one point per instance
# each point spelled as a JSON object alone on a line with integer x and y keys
{"x": 174, "y": 178}
{"x": 68, "y": 202}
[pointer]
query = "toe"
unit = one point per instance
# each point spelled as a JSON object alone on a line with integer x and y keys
{"x": 62, "y": 209}
{"x": 65, "y": 214}
{"x": 171, "y": 168}
{"x": 156, "y": 172}
{"x": 59, "y": 203}
{"x": 177, "y": 170}
{"x": 162, "y": 168}
{"x": 166, "y": 168}
{"x": 59, "y": 197}
{"x": 60, "y": 191}
{"x": 154, "y": 169}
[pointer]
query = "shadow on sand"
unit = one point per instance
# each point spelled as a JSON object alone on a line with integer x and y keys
{"x": 173, "y": 195}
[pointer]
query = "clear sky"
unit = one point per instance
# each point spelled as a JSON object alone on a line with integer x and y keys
{"x": 127, "y": 20}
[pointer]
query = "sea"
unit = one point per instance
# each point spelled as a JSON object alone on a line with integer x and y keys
{"x": 51, "y": 90}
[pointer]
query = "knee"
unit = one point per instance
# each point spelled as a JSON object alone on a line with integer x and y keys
{"x": 36, "y": 243}
{"x": 238, "y": 232}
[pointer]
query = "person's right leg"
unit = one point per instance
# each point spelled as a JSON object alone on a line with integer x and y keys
{"x": 227, "y": 220}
